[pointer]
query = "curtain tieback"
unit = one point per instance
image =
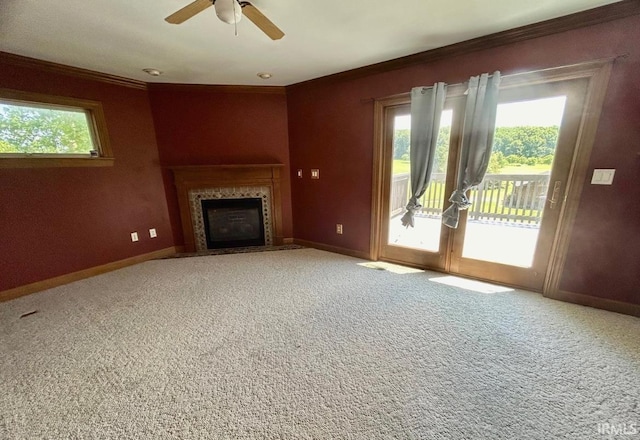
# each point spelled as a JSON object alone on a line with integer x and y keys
{"x": 412, "y": 207}
{"x": 460, "y": 199}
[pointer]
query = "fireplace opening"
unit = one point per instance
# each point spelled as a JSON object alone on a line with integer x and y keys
{"x": 233, "y": 222}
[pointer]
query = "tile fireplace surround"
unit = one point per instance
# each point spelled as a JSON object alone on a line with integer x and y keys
{"x": 201, "y": 182}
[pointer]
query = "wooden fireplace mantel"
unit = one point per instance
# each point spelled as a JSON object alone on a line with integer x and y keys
{"x": 195, "y": 177}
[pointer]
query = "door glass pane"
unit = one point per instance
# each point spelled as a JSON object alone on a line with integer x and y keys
{"x": 503, "y": 222}
{"x": 426, "y": 233}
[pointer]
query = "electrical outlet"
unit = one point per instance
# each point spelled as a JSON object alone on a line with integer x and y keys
{"x": 339, "y": 229}
{"x": 153, "y": 233}
{"x": 134, "y": 236}
{"x": 315, "y": 173}
{"x": 299, "y": 173}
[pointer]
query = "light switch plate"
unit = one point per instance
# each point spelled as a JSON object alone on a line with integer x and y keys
{"x": 153, "y": 233}
{"x": 134, "y": 236}
{"x": 315, "y": 173}
{"x": 299, "y": 173}
{"x": 603, "y": 176}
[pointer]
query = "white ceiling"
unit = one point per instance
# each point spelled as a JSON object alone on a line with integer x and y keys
{"x": 122, "y": 37}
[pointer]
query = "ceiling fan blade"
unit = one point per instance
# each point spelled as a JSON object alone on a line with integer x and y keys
{"x": 188, "y": 11}
{"x": 258, "y": 18}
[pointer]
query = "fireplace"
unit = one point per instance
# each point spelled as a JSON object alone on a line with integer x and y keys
{"x": 233, "y": 200}
{"x": 229, "y": 205}
{"x": 233, "y": 222}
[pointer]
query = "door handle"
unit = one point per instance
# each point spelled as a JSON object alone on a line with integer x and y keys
{"x": 555, "y": 195}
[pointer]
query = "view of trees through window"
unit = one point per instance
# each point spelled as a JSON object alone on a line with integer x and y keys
{"x": 512, "y": 147}
{"x": 35, "y": 130}
{"x": 525, "y": 137}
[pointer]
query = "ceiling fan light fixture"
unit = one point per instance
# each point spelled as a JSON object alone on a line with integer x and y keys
{"x": 228, "y": 11}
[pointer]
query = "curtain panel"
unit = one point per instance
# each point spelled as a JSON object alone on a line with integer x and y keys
{"x": 477, "y": 142}
{"x": 426, "y": 110}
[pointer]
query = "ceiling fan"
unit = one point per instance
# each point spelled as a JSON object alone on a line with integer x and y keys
{"x": 229, "y": 11}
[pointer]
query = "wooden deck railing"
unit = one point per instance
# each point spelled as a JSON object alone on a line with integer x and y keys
{"x": 515, "y": 198}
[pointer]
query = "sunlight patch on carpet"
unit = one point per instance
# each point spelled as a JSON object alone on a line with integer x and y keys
{"x": 476, "y": 286}
{"x": 393, "y": 268}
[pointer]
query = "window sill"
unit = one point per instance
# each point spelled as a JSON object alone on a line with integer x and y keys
{"x": 55, "y": 162}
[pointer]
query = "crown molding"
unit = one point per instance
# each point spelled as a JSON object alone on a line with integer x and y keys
{"x": 217, "y": 88}
{"x": 22, "y": 61}
{"x": 19, "y": 60}
{"x": 590, "y": 17}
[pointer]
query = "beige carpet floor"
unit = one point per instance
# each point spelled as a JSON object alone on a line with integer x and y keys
{"x": 302, "y": 344}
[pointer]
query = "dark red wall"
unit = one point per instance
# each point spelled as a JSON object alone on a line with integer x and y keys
{"x": 59, "y": 220}
{"x": 331, "y": 128}
{"x": 54, "y": 221}
{"x": 203, "y": 126}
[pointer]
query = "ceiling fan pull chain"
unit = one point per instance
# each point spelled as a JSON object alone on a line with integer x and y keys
{"x": 235, "y": 21}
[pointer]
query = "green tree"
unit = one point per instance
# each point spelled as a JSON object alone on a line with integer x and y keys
{"x": 512, "y": 146}
{"x": 402, "y": 148}
{"x": 514, "y": 159}
{"x": 401, "y": 141}
{"x": 6, "y": 147}
{"x": 526, "y": 141}
{"x": 442, "y": 150}
{"x": 546, "y": 160}
{"x": 497, "y": 161}
{"x": 35, "y": 130}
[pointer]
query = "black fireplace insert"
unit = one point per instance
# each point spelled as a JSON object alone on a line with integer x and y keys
{"x": 233, "y": 222}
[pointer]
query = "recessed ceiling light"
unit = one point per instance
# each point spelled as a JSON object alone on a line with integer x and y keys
{"x": 152, "y": 72}
{"x": 264, "y": 75}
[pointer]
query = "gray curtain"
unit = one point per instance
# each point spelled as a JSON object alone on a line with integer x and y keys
{"x": 477, "y": 141}
{"x": 426, "y": 109}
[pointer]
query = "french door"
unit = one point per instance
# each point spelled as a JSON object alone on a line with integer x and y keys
{"x": 427, "y": 244}
{"x": 508, "y": 233}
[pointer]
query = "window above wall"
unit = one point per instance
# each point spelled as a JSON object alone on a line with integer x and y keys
{"x": 51, "y": 131}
